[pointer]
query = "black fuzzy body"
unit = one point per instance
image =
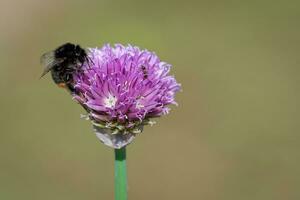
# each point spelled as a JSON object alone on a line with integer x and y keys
{"x": 71, "y": 58}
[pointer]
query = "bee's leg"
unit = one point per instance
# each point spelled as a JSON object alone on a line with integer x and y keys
{"x": 89, "y": 61}
{"x": 71, "y": 88}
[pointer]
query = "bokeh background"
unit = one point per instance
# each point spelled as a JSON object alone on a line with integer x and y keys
{"x": 235, "y": 134}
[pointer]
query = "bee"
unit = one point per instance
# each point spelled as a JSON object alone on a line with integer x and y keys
{"x": 63, "y": 62}
{"x": 144, "y": 70}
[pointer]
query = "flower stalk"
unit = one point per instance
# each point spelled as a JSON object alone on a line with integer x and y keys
{"x": 120, "y": 174}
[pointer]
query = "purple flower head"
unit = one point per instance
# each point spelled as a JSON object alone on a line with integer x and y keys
{"x": 122, "y": 88}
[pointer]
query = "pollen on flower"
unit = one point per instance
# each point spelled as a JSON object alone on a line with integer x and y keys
{"x": 110, "y": 101}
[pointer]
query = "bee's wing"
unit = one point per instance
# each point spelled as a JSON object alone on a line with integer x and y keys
{"x": 48, "y": 61}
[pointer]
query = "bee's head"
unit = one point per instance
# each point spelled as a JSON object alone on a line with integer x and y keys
{"x": 80, "y": 53}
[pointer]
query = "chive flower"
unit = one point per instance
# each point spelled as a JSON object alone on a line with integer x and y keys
{"x": 122, "y": 89}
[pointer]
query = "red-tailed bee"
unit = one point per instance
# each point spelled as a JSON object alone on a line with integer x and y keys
{"x": 63, "y": 62}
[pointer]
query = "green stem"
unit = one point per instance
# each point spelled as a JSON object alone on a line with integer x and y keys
{"x": 120, "y": 174}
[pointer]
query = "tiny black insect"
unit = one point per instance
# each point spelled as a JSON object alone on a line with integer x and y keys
{"x": 63, "y": 62}
{"x": 144, "y": 70}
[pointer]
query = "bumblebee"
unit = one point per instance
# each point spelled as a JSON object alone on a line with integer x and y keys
{"x": 63, "y": 62}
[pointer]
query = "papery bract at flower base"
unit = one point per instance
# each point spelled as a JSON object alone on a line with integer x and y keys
{"x": 116, "y": 141}
{"x": 123, "y": 88}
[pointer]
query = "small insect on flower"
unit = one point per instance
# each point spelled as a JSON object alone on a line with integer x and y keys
{"x": 144, "y": 70}
{"x": 63, "y": 62}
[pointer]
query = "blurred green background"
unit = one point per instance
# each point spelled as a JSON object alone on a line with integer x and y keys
{"x": 234, "y": 136}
